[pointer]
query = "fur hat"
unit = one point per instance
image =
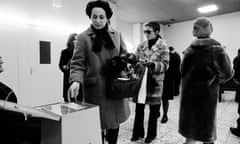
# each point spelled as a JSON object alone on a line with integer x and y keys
{"x": 202, "y": 27}
{"x": 101, "y": 4}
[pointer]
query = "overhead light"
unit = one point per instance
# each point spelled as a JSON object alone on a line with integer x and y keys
{"x": 208, "y": 8}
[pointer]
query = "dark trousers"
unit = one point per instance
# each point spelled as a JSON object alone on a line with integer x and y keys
{"x": 165, "y": 105}
{"x": 111, "y": 136}
{"x": 238, "y": 120}
{"x": 138, "y": 127}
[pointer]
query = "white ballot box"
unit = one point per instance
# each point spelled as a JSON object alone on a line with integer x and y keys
{"x": 71, "y": 124}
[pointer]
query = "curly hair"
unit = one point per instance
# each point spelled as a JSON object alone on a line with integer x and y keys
{"x": 101, "y": 4}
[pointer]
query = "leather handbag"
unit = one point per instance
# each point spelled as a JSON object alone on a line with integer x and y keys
{"x": 124, "y": 88}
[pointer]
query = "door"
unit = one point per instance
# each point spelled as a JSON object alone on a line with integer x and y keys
{"x": 45, "y": 80}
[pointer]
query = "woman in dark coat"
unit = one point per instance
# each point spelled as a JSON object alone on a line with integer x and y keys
{"x": 236, "y": 78}
{"x": 171, "y": 82}
{"x": 95, "y": 47}
{"x": 64, "y": 63}
{"x": 205, "y": 65}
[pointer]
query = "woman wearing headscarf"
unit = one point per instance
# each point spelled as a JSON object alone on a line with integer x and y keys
{"x": 205, "y": 65}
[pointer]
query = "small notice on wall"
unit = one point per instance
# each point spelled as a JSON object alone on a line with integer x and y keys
{"x": 45, "y": 52}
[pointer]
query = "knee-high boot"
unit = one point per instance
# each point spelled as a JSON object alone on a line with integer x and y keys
{"x": 112, "y": 135}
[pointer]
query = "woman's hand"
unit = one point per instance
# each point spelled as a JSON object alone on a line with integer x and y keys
{"x": 73, "y": 90}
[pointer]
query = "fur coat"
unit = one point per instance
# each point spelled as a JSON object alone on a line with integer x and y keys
{"x": 205, "y": 65}
{"x": 159, "y": 55}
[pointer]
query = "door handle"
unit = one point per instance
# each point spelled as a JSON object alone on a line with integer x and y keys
{"x": 31, "y": 70}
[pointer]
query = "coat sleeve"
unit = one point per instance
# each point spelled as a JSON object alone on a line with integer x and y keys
{"x": 78, "y": 64}
{"x": 161, "y": 59}
{"x": 223, "y": 65}
{"x": 123, "y": 48}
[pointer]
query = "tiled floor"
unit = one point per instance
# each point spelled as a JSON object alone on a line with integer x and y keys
{"x": 168, "y": 134}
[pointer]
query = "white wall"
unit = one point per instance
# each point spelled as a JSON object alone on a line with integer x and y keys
{"x": 225, "y": 29}
{"x": 127, "y": 32}
{"x": 133, "y": 33}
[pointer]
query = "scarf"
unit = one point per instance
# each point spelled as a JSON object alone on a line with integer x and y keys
{"x": 151, "y": 42}
{"x": 102, "y": 38}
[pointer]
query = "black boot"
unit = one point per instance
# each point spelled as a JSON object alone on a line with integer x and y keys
{"x": 164, "y": 118}
{"x": 165, "y": 111}
{"x": 112, "y": 136}
{"x": 235, "y": 131}
{"x": 103, "y": 136}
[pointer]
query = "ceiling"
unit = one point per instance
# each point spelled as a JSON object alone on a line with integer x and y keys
{"x": 169, "y": 11}
{"x": 72, "y": 12}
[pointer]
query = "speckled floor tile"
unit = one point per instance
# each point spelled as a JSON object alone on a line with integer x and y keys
{"x": 168, "y": 134}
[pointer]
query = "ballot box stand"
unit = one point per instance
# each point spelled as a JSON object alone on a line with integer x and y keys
{"x": 74, "y": 124}
{"x": 61, "y": 123}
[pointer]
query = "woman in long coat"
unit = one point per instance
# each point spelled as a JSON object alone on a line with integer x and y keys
{"x": 171, "y": 82}
{"x": 154, "y": 52}
{"x": 95, "y": 46}
{"x": 64, "y": 63}
{"x": 205, "y": 65}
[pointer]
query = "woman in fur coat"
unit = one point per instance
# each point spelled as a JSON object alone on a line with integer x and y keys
{"x": 205, "y": 65}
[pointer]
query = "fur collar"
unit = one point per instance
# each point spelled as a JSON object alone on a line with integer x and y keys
{"x": 205, "y": 42}
{"x": 160, "y": 43}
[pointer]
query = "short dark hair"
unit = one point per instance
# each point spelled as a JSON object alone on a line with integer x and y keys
{"x": 154, "y": 25}
{"x": 239, "y": 50}
{"x": 101, "y": 4}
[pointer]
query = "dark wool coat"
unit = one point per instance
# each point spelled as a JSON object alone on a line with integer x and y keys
{"x": 87, "y": 67}
{"x": 236, "y": 77}
{"x": 236, "y": 67}
{"x": 159, "y": 55}
{"x": 65, "y": 58}
{"x": 172, "y": 78}
{"x": 205, "y": 65}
